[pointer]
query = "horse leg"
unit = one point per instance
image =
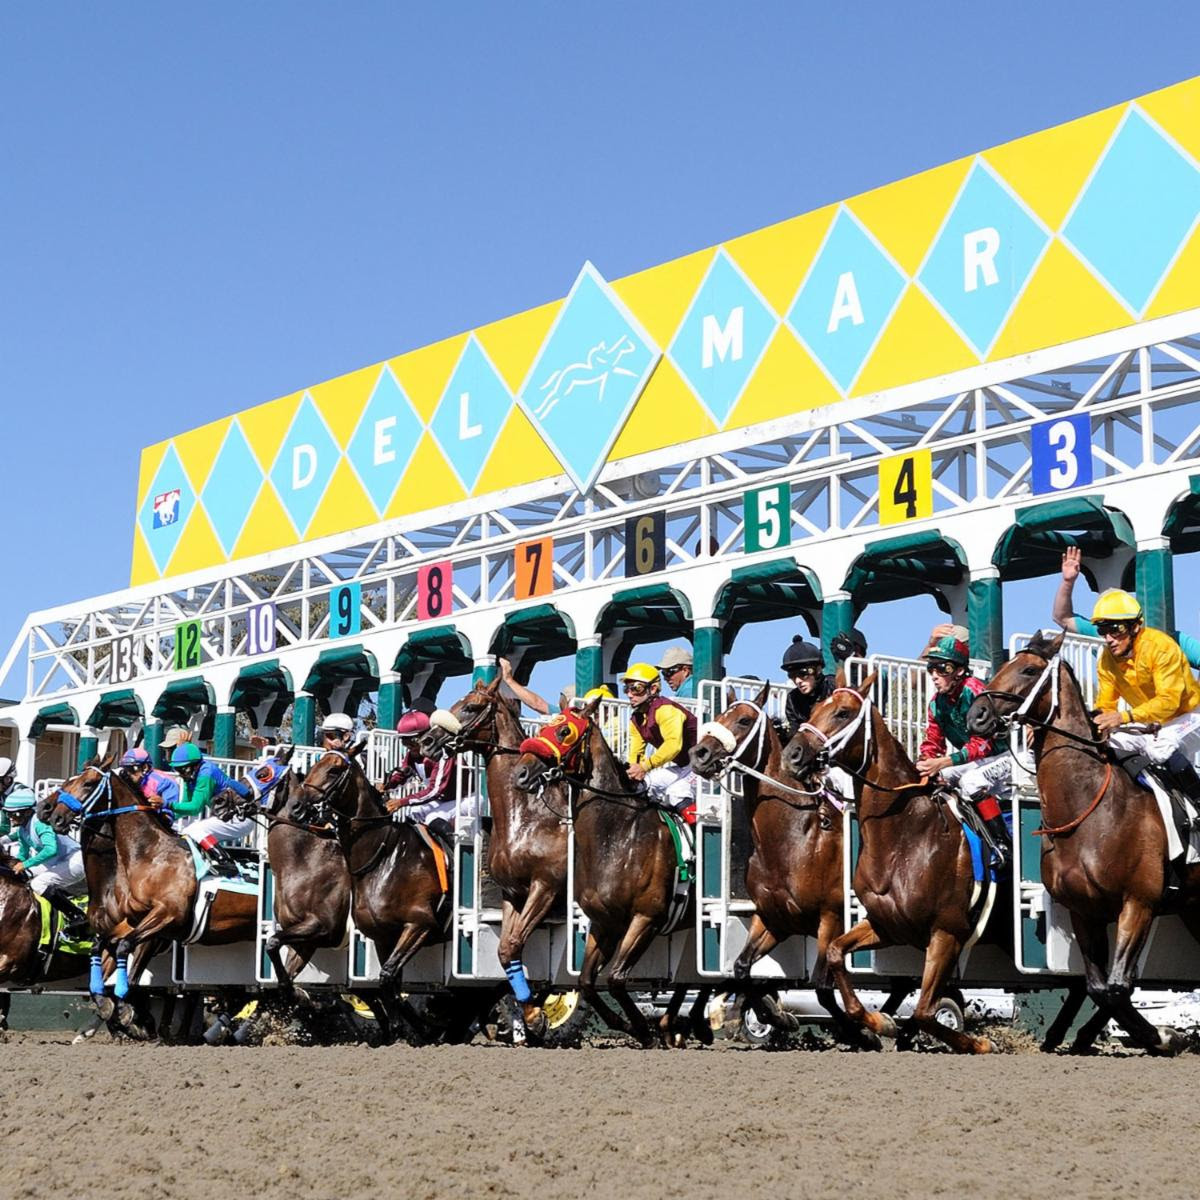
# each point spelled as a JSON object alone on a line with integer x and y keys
{"x": 633, "y": 945}
{"x": 861, "y": 937}
{"x": 759, "y": 942}
{"x": 5, "y": 1005}
{"x": 515, "y": 929}
{"x": 1091, "y": 936}
{"x": 412, "y": 938}
{"x": 1076, "y": 995}
{"x": 594, "y": 958}
{"x": 1133, "y": 927}
{"x": 940, "y": 957}
{"x": 828, "y": 930}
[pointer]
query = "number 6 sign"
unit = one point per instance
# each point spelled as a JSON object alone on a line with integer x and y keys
{"x": 1062, "y": 453}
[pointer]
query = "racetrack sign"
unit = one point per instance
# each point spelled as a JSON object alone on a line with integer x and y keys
{"x": 534, "y": 568}
{"x": 645, "y": 543}
{"x": 187, "y": 645}
{"x": 906, "y": 487}
{"x": 260, "y": 629}
{"x": 1062, "y": 453}
{"x": 435, "y": 591}
{"x": 768, "y": 518}
{"x": 345, "y": 610}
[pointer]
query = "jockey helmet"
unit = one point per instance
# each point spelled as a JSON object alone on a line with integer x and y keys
{"x": 185, "y": 754}
{"x": 949, "y": 649}
{"x": 640, "y": 673}
{"x": 19, "y": 799}
{"x": 603, "y": 692}
{"x": 801, "y": 654}
{"x": 844, "y": 645}
{"x": 412, "y": 724}
{"x": 1116, "y": 605}
{"x": 337, "y": 723}
{"x": 6, "y": 766}
{"x": 135, "y": 757}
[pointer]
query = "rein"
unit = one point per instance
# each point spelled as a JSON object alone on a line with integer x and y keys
{"x": 1071, "y": 826}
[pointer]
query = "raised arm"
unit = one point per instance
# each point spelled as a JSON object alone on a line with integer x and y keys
{"x": 522, "y": 693}
{"x": 1063, "y": 613}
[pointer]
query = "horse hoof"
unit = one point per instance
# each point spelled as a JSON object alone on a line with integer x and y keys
{"x": 1170, "y": 1043}
{"x": 105, "y": 1007}
{"x": 867, "y": 1040}
{"x": 125, "y": 1015}
{"x": 885, "y": 1026}
{"x": 702, "y": 1031}
{"x": 984, "y": 1046}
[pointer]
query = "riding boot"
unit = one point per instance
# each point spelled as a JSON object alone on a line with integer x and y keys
{"x": 1182, "y": 775}
{"x": 441, "y": 828}
{"x": 995, "y": 831}
{"x": 75, "y": 922}
{"x": 219, "y": 859}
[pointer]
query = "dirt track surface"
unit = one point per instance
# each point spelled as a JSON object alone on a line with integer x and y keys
{"x": 492, "y": 1121}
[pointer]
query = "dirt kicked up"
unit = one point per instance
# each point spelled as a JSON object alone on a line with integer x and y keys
{"x": 490, "y": 1121}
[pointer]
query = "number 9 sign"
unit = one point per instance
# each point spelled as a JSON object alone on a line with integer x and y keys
{"x": 1062, "y": 453}
{"x": 345, "y": 610}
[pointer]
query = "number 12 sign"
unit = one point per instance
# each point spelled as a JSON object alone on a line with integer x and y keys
{"x": 1062, "y": 453}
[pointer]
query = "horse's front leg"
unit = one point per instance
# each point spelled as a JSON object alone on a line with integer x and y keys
{"x": 861, "y": 937}
{"x": 1133, "y": 928}
{"x": 760, "y": 941}
{"x": 515, "y": 929}
{"x": 633, "y": 945}
{"x": 940, "y": 957}
{"x": 595, "y": 955}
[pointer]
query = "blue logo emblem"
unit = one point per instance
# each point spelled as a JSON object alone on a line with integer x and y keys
{"x": 587, "y": 377}
{"x": 165, "y": 509}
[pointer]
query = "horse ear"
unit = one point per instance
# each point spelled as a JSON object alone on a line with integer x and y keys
{"x": 840, "y": 678}
{"x": 590, "y": 709}
{"x": 492, "y": 687}
{"x": 1047, "y": 647}
{"x": 285, "y": 755}
{"x": 108, "y": 762}
{"x": 864, "y": 688}
{"x": 729, "y": 698}
{"x": 762, "y": 696}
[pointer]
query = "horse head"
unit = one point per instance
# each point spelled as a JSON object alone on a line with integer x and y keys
{"x": 1018, "y": 683}
{"x": 739, "y": 734}
{"x": 82, "y": 797}
{"x": 473, "y": 718}
{"x": 328, "y": 792}
{"x": 837, "y": 731}
{"x": 558, "y": 747}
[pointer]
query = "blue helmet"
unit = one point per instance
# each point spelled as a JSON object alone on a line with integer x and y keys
{"x": 185, "y": 754}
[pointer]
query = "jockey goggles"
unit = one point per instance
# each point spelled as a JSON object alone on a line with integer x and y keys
{"x": 803, "y": 672}
{"x": 1116, "y": 628}
{"x": 635, "y": 687}
{"x": 939, "y": 666}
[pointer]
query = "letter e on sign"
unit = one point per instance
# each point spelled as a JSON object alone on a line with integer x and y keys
{"x": 1062, "y": 453}
{"x": 645, "y": 543}
{"x": 534, "y": 568}
{"x": 906, "y": 487}
{"x": 435, "y": 597}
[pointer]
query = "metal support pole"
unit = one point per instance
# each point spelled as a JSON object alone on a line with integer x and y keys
{"x": 837, "y": 616}
{"x": 708, "y": 650}
{"x": 1156, "y": 583}
{"x": 89, "y": 747}
{"x": 589, "y": 666}
{"x": 304, "y": 719}
{"x": 224, "y": 740}
{"x": 985, "y": 615}
{"x": 390, "y": 703}
{"x": 152, "y": 736}
{"x": 485, "y": 669}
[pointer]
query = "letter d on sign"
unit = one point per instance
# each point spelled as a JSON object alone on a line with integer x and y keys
{"x": 303, "y": 475}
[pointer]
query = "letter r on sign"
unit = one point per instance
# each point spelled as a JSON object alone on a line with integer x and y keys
{"x": 980, "y": 248}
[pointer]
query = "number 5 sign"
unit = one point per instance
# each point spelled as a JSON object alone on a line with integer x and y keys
{"x": 1062, "y": 453}
{"x": 906, "y": 487}
{"x": 768, "y": 518}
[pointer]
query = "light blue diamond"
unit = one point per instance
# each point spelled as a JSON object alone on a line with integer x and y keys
{"x": 233, "y": 484}
{"x": 1135, "y": 213}
{"x": 846, "y": 299}
{"x": 471, "y": 413}
{"x": 385, "y": 440}
{"x": 587, "y": 377}
{"x": 982, "y": 258}
{"x": 304, "y": 465}
{"x": 166, "y": 509}
{"x": 722, "y": 337}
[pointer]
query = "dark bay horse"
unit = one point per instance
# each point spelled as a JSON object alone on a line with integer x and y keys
{"x": 154, "y": 887}
{"x": 312, "y": 881}
{"x": 397, "y": 897}
{"x": 624, "y": 864}
{"x": 527, "y": 848}
{"x": 914, "y": 874}
{"x": 21, "y": 959}
{"x": 1104, "y": 847}
{"x": 794, "y": 873}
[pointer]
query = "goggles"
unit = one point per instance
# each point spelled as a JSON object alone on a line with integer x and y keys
{"x": 803, "y": 672}
{"x": 635, "y": 687}
{"x": 669, "y": 671}
{"x": 1115, "y": 628}
{"x": 941, "y": 667}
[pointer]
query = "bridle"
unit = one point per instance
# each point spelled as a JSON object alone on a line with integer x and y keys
{"x": 734, "y": 750}
{"x": 85, "y": 807}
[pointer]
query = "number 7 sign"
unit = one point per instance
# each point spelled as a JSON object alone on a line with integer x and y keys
{"x": 534, "y": 562}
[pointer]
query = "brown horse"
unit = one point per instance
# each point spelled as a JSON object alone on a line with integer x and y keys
{"x": 527, "y": 848}
{"x": 914, "y": 874}
{"x": 794, "y": 873}
{"x": 312, "y": 881}
{"x": 155, "y": 885}
{"x": 1104, "y": 850}
{"x": 624, "y": 864}
{"x": 397, "y": 898}
{"x": 21, "y": 958}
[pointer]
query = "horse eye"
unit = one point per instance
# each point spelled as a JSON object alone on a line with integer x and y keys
{"x": 842, "y": 712}
{"x": 1030, "y": 671}
{"x": 744, "y": 721}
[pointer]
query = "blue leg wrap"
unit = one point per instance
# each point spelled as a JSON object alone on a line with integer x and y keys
{"x": 96, "y": 977}
{"x": 517, "y": 981}
{"x": 121, "y": 979}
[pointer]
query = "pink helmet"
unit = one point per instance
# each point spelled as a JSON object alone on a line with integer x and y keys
{"x": 412, "y": 724}
{"x": 135, "y": 757}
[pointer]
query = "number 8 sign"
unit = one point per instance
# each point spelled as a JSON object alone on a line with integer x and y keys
{"x": 435, "y": 597}
{"x": 1062, "y": 453}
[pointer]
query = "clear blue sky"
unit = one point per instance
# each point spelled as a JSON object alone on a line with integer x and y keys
{"x": 207, "y": 206}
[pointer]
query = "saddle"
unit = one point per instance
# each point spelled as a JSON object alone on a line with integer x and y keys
{"x": 683, "y": 840}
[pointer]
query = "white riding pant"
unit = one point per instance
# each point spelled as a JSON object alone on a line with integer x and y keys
{"x": 65, "y": 871}
{"x": 983, "y": 777}
{"x": 673, "y": 784}
{"x": 431, "y": 810}
{"x": 1180, "y": 733}
{"x": 223, "y": 831}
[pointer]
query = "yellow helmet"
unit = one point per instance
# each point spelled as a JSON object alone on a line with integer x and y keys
{"x": 603, "y": 692}
{"x": 1116, "y": 605}
{"x": 641, "y": 672}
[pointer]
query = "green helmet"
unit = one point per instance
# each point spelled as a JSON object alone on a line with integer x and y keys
{"x": 19, "y": 799}
{"x": 949, "y": 649}
{"x": 185, "y": 754}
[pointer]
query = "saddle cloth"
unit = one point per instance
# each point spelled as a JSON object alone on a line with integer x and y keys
{"x": 207, "y": 887}
{"x": 1176, "y": 810}
{"x": 683, "y": 839}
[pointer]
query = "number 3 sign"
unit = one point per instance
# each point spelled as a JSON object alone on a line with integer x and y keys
{"x": 1062, "y": 453}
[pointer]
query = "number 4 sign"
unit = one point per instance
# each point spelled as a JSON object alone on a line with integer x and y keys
{"x": 906, "y": 487}
{"x": 1062, "y": 453}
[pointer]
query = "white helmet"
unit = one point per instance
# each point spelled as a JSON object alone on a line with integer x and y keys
{"x": 337, "y": 723}
{"x": 6, "y": 767}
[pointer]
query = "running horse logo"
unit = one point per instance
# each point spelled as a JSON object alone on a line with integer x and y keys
{"x": 602, "y": 362}
{"x": 166, "y": 509}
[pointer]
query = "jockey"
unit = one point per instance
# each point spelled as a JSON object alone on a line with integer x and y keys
{"x": 1147, "y": 669}
{"x": 52, "y": 860}
{"x": 979, "y": 766}
{"x": 8, "y": 774}
{"x": 337, "y": 732}
{"x": 661, "y": 733}
{"x": 157, "y": 786}
{"x": 202, "y": 780}
{"x": 804, "y": 665}
{"x": 434, "y": 803}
